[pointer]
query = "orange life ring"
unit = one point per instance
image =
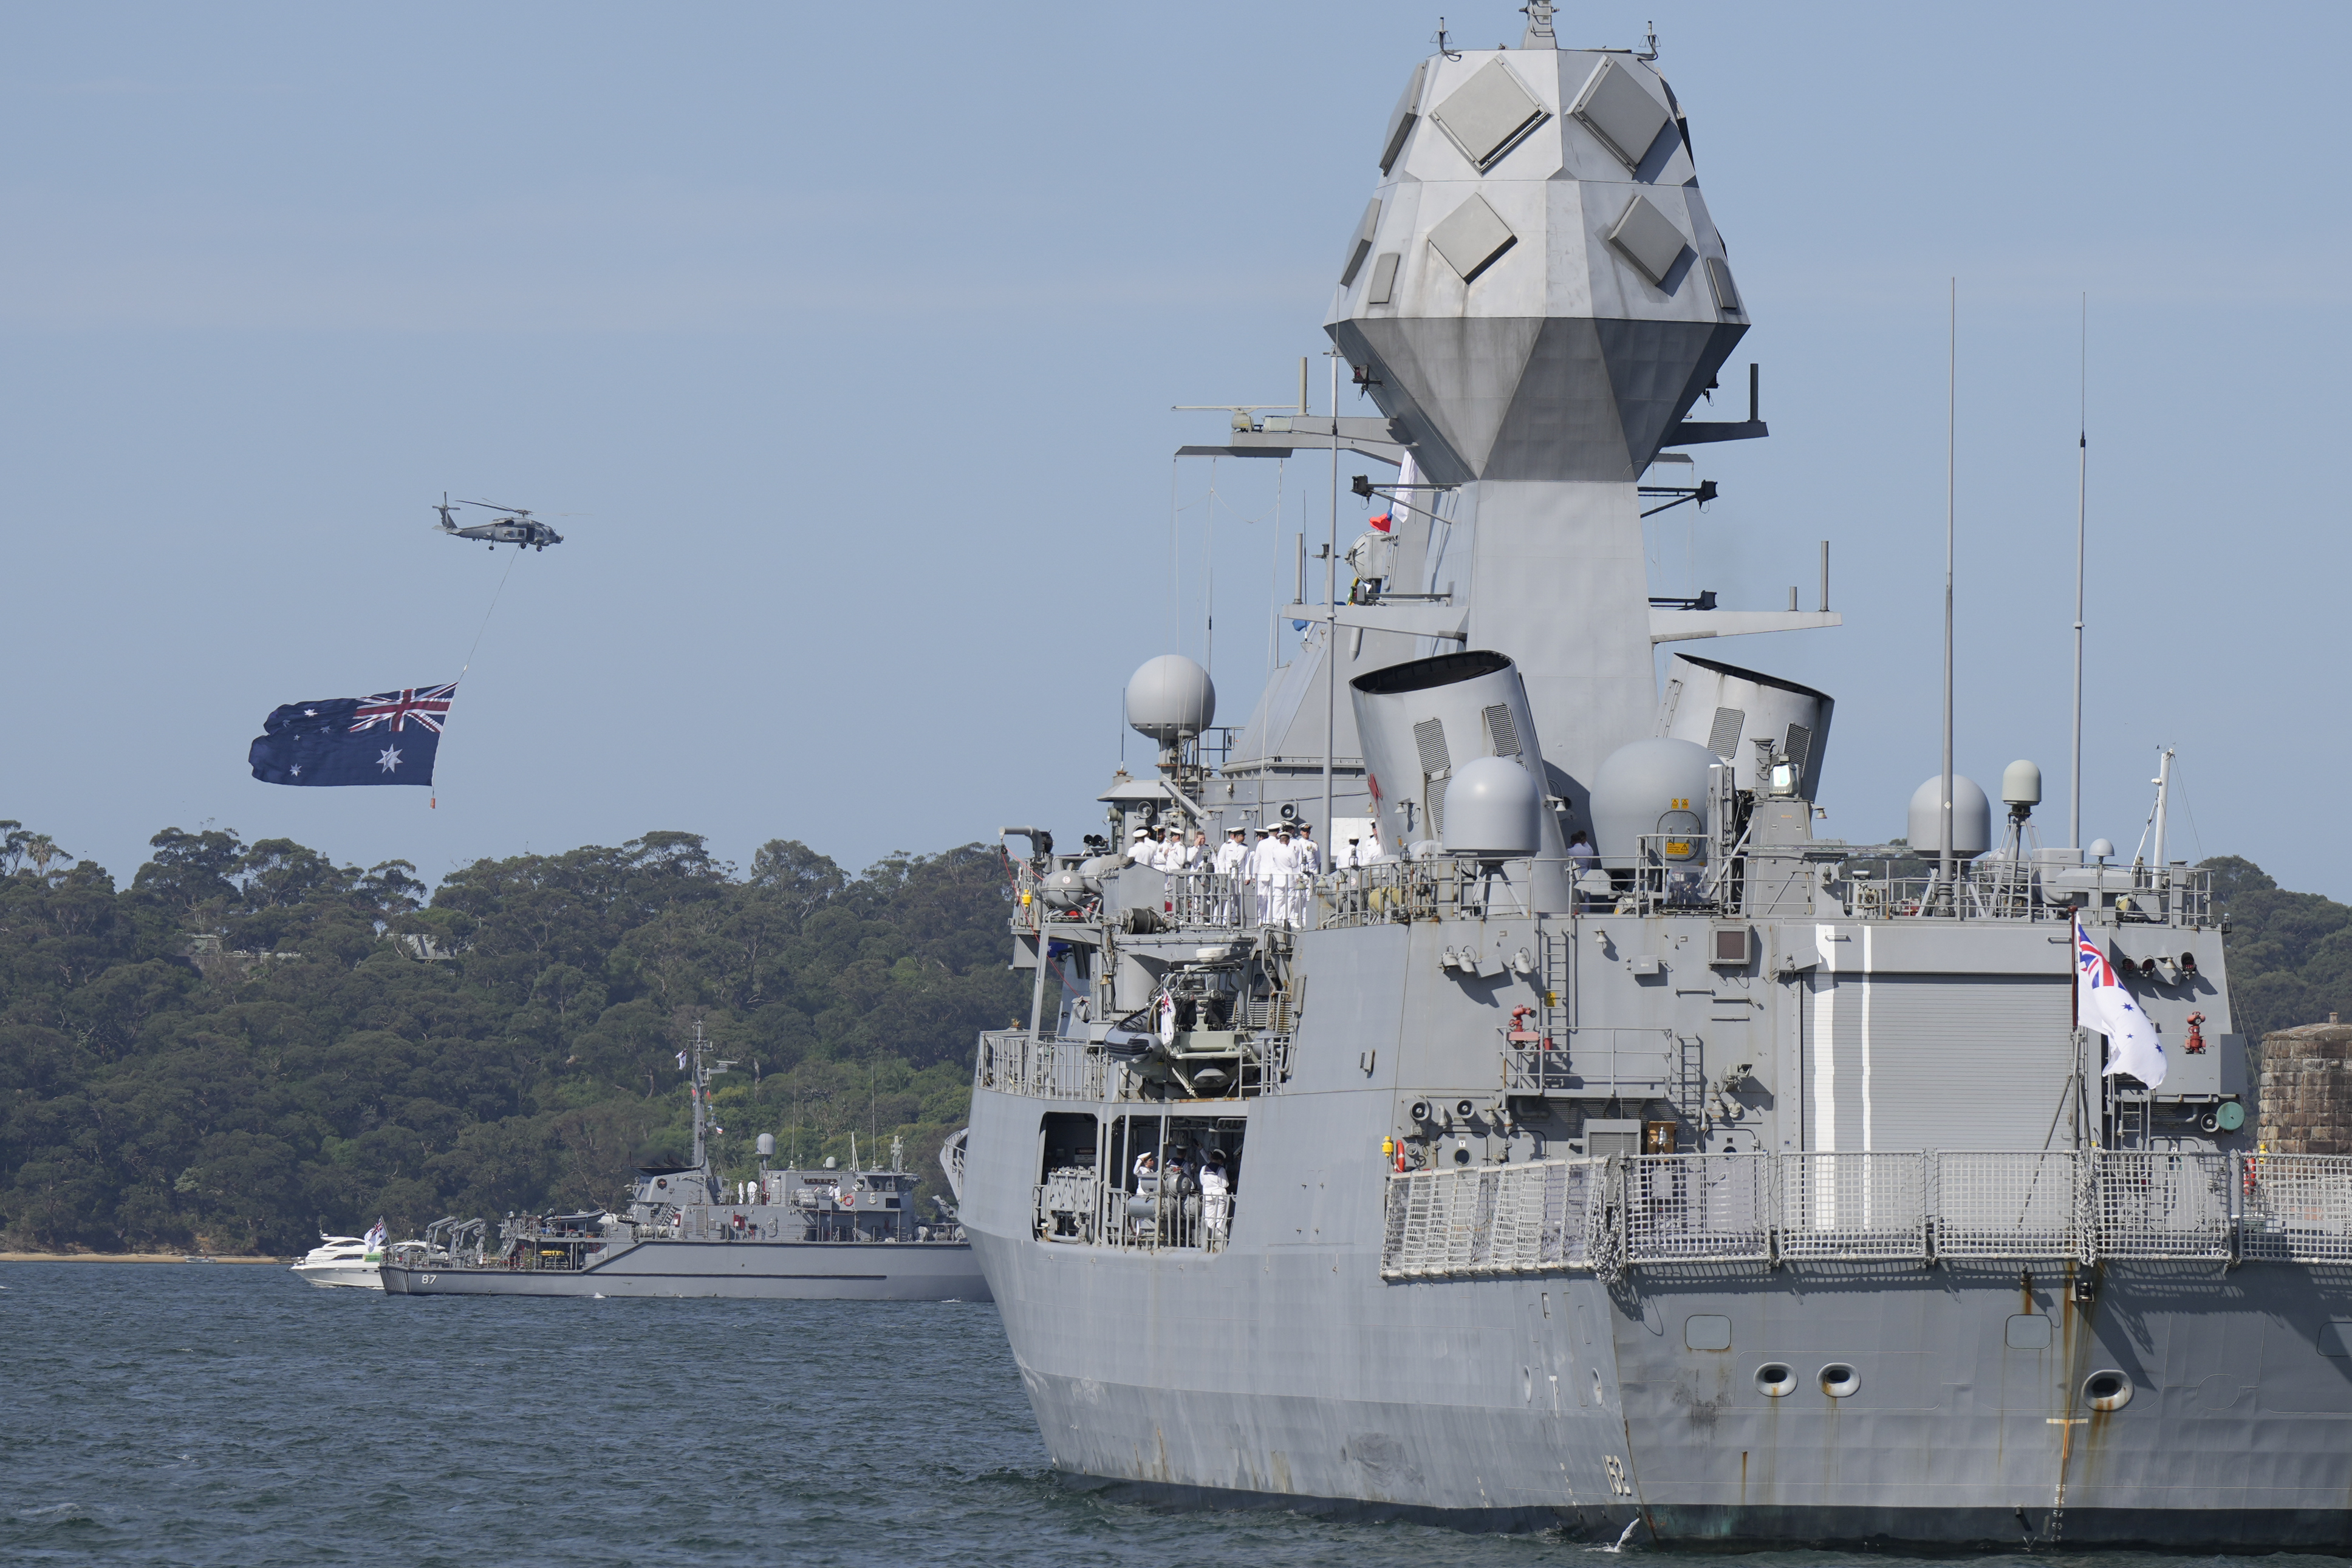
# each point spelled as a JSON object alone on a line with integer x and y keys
{"x": 849, "y": 1198}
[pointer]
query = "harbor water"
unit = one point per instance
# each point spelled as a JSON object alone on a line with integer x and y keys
{"x": 165, "y": 1413}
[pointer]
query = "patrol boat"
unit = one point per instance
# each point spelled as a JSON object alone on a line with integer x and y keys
{"x": 1741, "y": 1185}
{"x": 826, "y": 1234}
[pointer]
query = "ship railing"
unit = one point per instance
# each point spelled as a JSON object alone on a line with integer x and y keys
{"x": 2155, "y": 1204}
{"x": 2021, "y": 1204}
{"x": 1851, "y": 1205}
{"x": 1495, "y": 1220}
{"x": 2295, "y": 1207}
{"x": 1632, "y": 1059}
{"x": 1075, "y": 1207}
{"x": 1711, "y": 1208}
{"x": 1218, "y": 900}
{"x": 1439, "y": 887}
{"x": 1012, "y": 1062}
{"x": 1995, "y": 888}
{"x": 1950, "y": 1205}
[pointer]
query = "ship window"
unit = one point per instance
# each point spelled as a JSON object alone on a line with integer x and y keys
{"x": 1646, "y": 237}
{"x": 1490, "y": 114}
{"x": 1383, "y": 286}
{"x": 1472, "y": 236}
{"x": 1620, "y": 113}
{"x": 2029, "y": 1331}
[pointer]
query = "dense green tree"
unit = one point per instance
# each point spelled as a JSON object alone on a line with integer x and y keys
{"x": 250, "y": 1043}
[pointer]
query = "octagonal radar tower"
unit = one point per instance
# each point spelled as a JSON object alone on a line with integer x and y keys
{"x": 1535, "y": 297}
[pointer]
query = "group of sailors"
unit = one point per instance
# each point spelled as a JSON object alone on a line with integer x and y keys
{"x": 1272, "y": 877}
{"x": 1187, "y": 1176}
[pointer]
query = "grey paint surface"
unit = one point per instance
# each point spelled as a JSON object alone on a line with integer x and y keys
{"x": 756, "y": 1271}
{"x": 1283, "y": 1365}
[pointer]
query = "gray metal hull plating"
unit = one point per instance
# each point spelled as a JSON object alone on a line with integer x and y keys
{"x": 1285, "y": 1369}
{"x": 754, "y": 1270}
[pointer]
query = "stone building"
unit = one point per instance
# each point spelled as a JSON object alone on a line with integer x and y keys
{"x": 2306, "y": 1097}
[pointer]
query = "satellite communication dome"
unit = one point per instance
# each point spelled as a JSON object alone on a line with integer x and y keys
{"x": 1170, "y": 697}
{"x": 1971, "y": 818}
{"x": 1638, "y": 784}
{"x": 1493, "y": 809}
{"x": 2020, "y": 784}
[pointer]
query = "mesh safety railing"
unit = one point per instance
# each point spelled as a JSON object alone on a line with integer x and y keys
{"x": 2162, "y": 1204}
{"x": 2005, "y": 1204}
{"x": 2295, "y": 1207}
{"x": 1853, "y": 1206}
{"x": 1697, "y": 1208}
{"x": 1012, "y": 1063}
{"x": 1493, "y": 1220}
{"x": 2025, "y": 1205}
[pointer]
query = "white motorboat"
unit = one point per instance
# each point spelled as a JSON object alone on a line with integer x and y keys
{"x": 353, "y": 1260}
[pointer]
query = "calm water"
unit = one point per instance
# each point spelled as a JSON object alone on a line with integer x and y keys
{"x": 167, "y": 1413}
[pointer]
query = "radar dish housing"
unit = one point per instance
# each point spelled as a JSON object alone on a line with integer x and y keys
{"x": 1971, "y": 818}
{"x": 1169, "y": 698}
{"x": 1493, "y": 809}
{"x": 1638, "y": 784}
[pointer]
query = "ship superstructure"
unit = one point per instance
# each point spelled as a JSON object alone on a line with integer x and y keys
{"x": 1612, "y": 1148}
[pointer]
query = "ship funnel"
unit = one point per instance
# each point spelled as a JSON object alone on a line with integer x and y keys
{"x": 1743, "y": 716}
{"x": 1429, "y": 729}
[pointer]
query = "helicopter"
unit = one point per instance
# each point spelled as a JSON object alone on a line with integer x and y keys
{"x": 514, "y": 526}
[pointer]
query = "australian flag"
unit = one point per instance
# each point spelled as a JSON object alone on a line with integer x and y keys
{"x": 388, "y": 738}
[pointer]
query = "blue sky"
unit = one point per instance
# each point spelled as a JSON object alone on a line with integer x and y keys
{"x": 848, "y": 336}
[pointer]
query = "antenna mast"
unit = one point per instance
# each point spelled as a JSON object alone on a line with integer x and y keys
{"x": 1952, "y": 396}
{"x": 2081, "y": 493}
{"x": 1330, "y": 606}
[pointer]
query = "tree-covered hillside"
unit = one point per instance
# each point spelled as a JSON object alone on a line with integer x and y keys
{"x": 2290, "y": 953}
{"x": 250, "y": 1044}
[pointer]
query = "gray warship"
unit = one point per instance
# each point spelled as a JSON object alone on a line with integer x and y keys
{"x": 1715, "y": 1179}
{"x": 791, "y": 1234}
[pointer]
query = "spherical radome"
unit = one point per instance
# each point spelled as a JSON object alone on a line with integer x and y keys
{"x": 1639, "y": 783}
{"x": 1170, "y": 696}
{"x": 1971, "y": 818}
{"x": 1492, "y": 807}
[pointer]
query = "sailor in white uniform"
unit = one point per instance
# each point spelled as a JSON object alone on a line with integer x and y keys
{"x": 1232, "y": 856}
{"x": 1307, "y": 864}
{"x": 1260, "y": 870}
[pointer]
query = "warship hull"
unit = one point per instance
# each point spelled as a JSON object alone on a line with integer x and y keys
{"x": 1290, "y": 1373}
{"x": 745, "y": 1270}
{"x": 1592, "y": 1145}
{"x": 1285, "y": 1369}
